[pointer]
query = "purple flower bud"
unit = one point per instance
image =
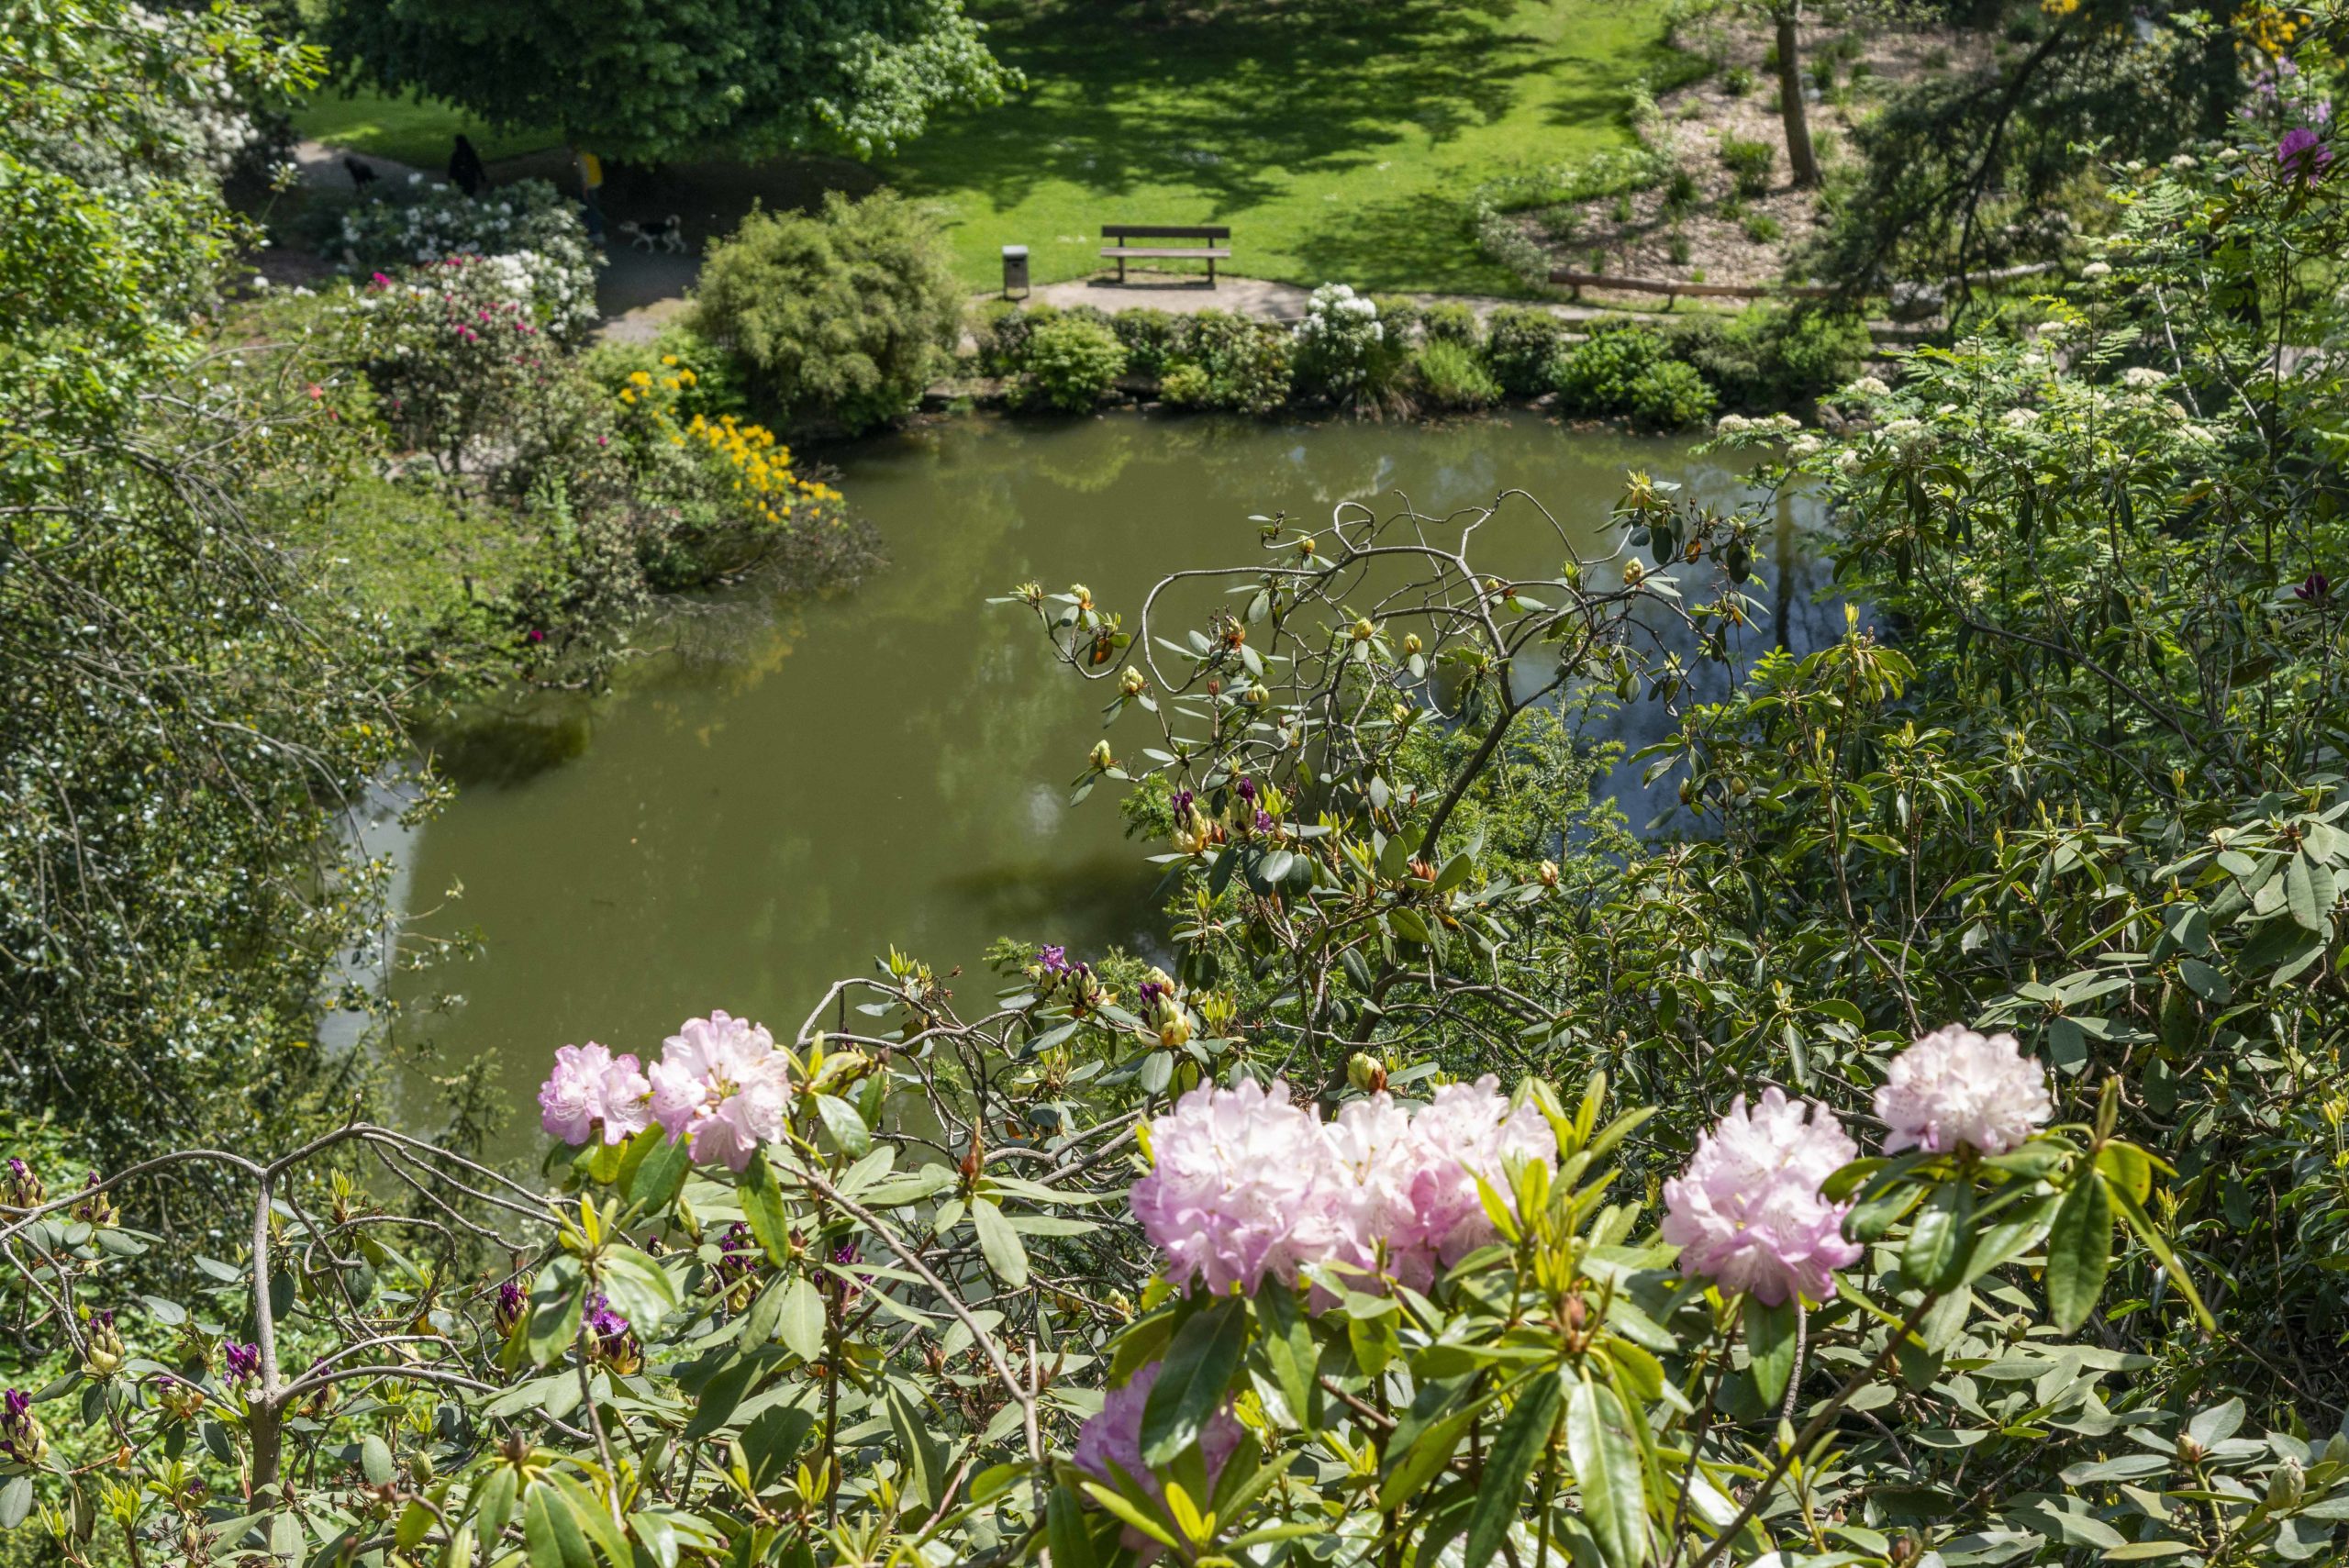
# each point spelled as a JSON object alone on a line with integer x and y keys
{"x": 1245, "y": 789}
{"x": 1263, "y": 822}
{"x": 243, "y": 1362}
{"x": 1053, "y": 960}
{"x": 513, "y": 1300}
{"x": 2315, "y": 589}
{"x": 20, "y": 1435}
{"x": 1182, "y": 801}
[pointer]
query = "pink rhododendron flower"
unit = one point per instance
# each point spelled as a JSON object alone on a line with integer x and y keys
{"x": 590, "y": 1085}
{"x": 1407, "y": 1194}
{"x": 1747, "y": 1214}
{"x": 1239, "y": 1189}
{"x": 1247, "y": 1186}
{"x": 1957, "y": 1086}
{"x": 1111, "y": 1441}
{"x": 722, "y": 1088}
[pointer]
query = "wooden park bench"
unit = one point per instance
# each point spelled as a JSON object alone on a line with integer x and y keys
{"x": 1210, "y": 253}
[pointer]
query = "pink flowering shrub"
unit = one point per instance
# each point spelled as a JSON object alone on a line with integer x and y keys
{"x": 1956, "y": 1088}
{"x": 592, "y": 1093}
{"x": 721, "y": 1089}
{"x": 1108, "y": 1446}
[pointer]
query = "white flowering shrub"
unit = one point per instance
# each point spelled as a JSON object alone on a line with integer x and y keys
{"x": 1340, "y": 343}
{"x": 529, "y": 235}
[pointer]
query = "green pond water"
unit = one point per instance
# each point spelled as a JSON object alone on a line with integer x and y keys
{"x": 801, "y": 783}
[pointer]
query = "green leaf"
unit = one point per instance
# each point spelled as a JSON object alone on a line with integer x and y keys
{"x": 764, "y": 1206}
{"x": 658, "y": 1536}
{"x": 1425, "y": 1454}
{"x": 1516, "y": 1447}
{"x": 924, "y": 1455}
{"x": 593, "y": 1519}
{"x": 638, "y": 1288}
{"x": 554, "y": 1535}
{"x": 374, "y": 1461}
{"x": 801, "y": 1325}
{"x": 1940, "y": 1237}
{"x": 555, "y": 1305}
{"x": 494, "y": 1506}
{"x": 1771, "y": 1335}
{"x": 1287, "y": 1344}
{"x": 16, "y": 1501}
{"x": 661, "y": 1174}
{"x": 2309, "y": 908}
{"x": 1198, "y": 1368}
{"x": 1607, "y": 1467}
{"x": 2079, "y": 1251}
{"x": 1000, "y": 1242}
{"x": 1064, "y": 1530}
{"x": 847, "y": 1127}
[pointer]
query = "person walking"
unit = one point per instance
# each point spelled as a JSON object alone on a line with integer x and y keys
{"x": 465, "y": 170}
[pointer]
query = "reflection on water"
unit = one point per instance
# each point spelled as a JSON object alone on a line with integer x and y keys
{"x": 796, "y": 786}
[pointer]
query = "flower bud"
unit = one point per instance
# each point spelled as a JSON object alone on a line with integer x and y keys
{"x": 1304, "y": 546}
{"x": 1422, "y": 868}
{"x": 21, "y": 1437}
{"x": 101, "y": 1345}
{"x": 179, "y": 1401}
{"x": 1402, "y": 713}
{"x": 2285, "y": 1487}
{"x": 513, "y": 1301}
{"x": 1366, "y": 1073}
{"x": 2190, "y": 1449}
{"x": 1363, "y": 630}
{"x": 1132, "y": 682}
{"x": 96, "y": 1208}
{"x": 1103, "y": 760}
{"x": 1548, "y": 873}
{"x": 1411, "y": 643}
{"x": 20, "y": 1188}
{"x": 1633, "y": 572}
{"x": 1082, "y": 594}
{"x": 1257, "y": 696}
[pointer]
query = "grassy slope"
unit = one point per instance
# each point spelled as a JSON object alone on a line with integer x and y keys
{"x": 1339, "y": 142}
{"x": 410, "y": 131}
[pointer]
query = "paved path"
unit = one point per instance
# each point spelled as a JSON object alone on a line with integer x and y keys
{"x": 1247, "y": 297}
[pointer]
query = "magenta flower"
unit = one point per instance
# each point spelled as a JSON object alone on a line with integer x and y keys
{"x": 2302, "y": 155}
{"x": 722, "y": 1087}
{"x": 22, "y": 1440}
{"x": 2314, "y": 589}
{"x": 590, "y": 1085}
{"x": 1108, "y": 1446}
{"x": 1240, "y": 1188}
{"x": 1747, "y": 1214}
{"x": 1956, "y": 1087}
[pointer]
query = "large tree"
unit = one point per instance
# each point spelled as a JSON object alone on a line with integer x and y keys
{"x": 657, "y": 78}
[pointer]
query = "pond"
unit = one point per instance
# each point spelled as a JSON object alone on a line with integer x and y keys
{"x": 801, "y": 783}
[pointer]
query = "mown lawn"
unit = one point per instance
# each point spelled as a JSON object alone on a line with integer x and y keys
{"x": 412, "y": 132}
{"x": 1338, "y": 142}
{"x": 1341, "y": 142}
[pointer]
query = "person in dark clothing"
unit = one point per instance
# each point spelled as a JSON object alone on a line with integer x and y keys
{"x": 465, "y": 170}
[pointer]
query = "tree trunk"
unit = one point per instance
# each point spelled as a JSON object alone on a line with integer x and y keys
{"x": 1800, "y": 162}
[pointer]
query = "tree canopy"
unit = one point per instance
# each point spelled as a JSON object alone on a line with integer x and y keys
{"x": 748, "y": 77}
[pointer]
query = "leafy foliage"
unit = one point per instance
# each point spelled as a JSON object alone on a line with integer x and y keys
{"x": 841, "y": 317}
{"x": 753, "y": 78}
{"x": 1070, "y": 364}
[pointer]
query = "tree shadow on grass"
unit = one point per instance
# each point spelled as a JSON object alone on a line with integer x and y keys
{"x": 1224, "y": 108}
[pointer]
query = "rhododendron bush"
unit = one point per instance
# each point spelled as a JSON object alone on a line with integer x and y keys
{"x": 1924, "y": 1150}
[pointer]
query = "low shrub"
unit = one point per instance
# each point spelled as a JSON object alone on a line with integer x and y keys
{"x": 1250, "y": 367}
{"x": 841, "y": 316}
{"x": 1446, "y": 373}
{"x": 1679, "y": 190}
{"x": 1397, "y": 313}
{"x": 1737, "y": 81}
{"x": 1671, "y": 396}
{"x": 1186, "y": 386}
{"x": 1519, "y": 343}
{"x": 1768, "y": 356}
{"x": 1760, "y": 228}
{"x": 1450, "y": 322}
{"x": 1149, "y": 338}
{"x": 1344, "y": 352}
{"x": 1597, "y": 376}
{"x": 714, "y": 390}
{"x": 1071, "y": 361}
{"x": 1751, "y": 162}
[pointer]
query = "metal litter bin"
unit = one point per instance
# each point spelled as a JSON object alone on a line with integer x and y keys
{"x": 1015, "y": 269}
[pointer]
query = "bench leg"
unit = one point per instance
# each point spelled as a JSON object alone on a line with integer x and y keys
{"x": 1121, "y": 272}
{"x": 1210, "y": 271}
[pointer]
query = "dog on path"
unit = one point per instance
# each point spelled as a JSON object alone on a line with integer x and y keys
{"x": 362, "y": 176}
{"x": 668, "y": 234}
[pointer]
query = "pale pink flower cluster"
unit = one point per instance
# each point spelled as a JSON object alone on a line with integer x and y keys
{"x": 1245, "y": 1185}
{"x": 721, "y": 1089}
{"x": 591, "y": 1087}
{"x": 1954, "y": 1086}
{"x": 1747, "y": 1214}
{"x": 1111, "y": 1441}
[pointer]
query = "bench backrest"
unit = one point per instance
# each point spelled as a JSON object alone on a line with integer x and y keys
{"x": 1161, "y": 231}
